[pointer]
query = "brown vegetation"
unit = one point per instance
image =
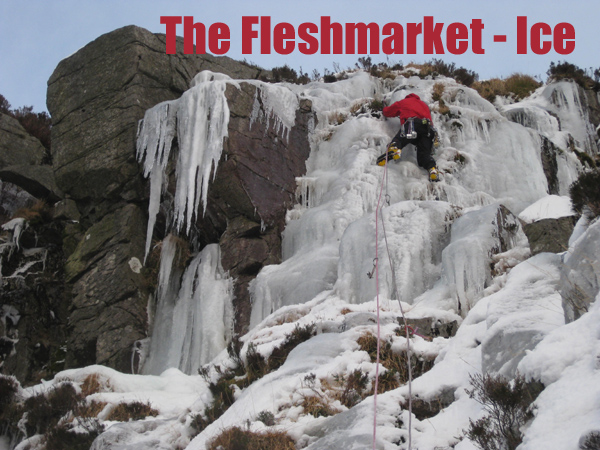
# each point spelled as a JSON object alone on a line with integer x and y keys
{"x": 517, "y": 85}
{"x": 124, "y": 412}
{"x": 238, "y": 439}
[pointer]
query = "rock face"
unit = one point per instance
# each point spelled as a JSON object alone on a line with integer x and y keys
{"x": 254, "y": 187}
{"x": 96, "y": 98}
{"x": 33, "y": 306}
{"x": 550, "y": 164}
{"x": 590, "y": 100}
{"x": 108, "y": 309}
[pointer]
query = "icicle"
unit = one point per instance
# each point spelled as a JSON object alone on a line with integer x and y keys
{"x": 200, "y": 118}
{"x": 277, "y": 103}
{"x": 155, "y": 136}
{"x": 197, "y": 324}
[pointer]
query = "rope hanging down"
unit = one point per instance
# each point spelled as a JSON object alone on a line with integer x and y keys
{"x": 378, "y": 213}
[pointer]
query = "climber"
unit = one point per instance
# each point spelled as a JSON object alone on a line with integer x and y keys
{"x": 416, "y": 128}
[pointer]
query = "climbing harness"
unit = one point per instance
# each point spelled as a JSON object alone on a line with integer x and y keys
{"x": 407, "y": 328}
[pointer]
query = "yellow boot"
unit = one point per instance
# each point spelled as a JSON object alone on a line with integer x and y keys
{"x": 392, "y": 153}
{"x": 434, "y": 175}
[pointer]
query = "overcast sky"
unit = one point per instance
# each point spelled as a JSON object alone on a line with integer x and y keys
{"x": 37, "y": 34}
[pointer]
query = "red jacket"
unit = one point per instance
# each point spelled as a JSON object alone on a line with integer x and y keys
{"x": 410, "y": 106}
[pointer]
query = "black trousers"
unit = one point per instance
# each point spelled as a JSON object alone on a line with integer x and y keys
{"x": 423, "y": 142}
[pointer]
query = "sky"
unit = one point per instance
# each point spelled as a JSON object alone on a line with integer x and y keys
{"x": 37, "y": 34}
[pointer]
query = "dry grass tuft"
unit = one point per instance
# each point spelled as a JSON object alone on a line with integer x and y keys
{"x": 238, "y": 439}
{"x": 395, "y": 363}
{"x": 124, "y": 412}
{"x": 518, "y": 85}
{"x": 91, "y": 409}
{"x": 337, "y": 118}
{"x": 438, "y": 90}
{"x": 317, "y": 406}
{"x": 39, "y": 212}
{"x": 93, "y": 384}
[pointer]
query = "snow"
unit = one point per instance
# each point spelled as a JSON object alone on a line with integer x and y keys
{"x": 550, "y": 207}
{"x": 437, "y": 245}
{"x": 566, "y": 361}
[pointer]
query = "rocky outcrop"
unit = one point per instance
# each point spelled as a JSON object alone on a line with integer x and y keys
{"x": 96, "y": 98}
{"x": 33, "y": 313}
{"x": 549, "y": 235}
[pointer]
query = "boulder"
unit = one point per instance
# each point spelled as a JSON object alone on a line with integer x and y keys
{"x": 66, "y": 210}
{"x": 21, "y": 161}
{"x": 550, "y": 235}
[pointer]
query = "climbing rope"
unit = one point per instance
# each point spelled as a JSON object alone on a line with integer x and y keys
{"x": 407, "y": 328}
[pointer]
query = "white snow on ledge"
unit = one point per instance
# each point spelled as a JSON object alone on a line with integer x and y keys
{"x": 550, "y": 207}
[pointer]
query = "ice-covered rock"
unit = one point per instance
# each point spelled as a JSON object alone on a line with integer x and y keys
{"x": 519, "y": 316}
{"x": 411, "y": 239}
{"x": 475, "y": 238}
{"x": 580, "y": 274}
